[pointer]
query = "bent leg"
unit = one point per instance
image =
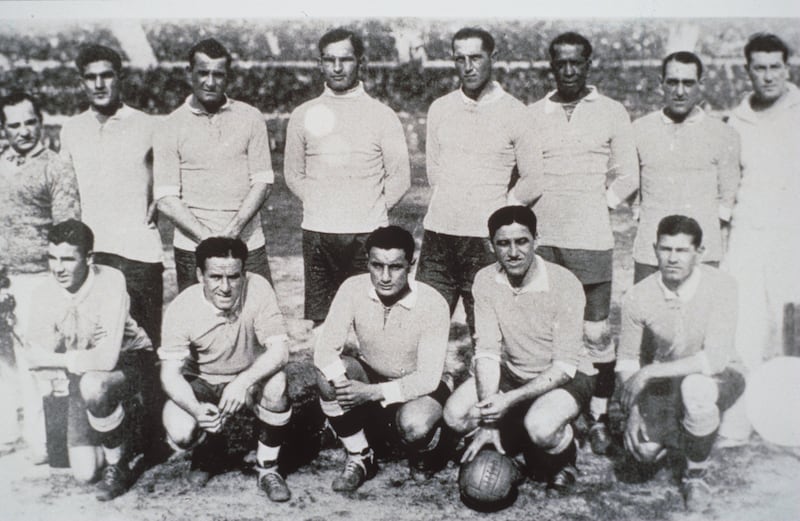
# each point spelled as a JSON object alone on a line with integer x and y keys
{"x": 459, "y": 410}
{"x": 85, "y": 461}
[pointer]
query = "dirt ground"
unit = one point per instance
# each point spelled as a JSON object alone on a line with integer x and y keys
{"x": 753, "y": 483}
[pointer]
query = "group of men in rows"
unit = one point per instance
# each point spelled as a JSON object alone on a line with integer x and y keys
{"x": 536, "y": 289}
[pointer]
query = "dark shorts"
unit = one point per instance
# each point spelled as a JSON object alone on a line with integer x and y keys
{"x": 449, "y": 263}
{"x": 661, "y": 406}
{"x": 133, "y": 364}
{"x": 186, "y": 269}
{"x": 513, "y": 434}
{"x": 328, "y": 260}
{"x": 593, "y": 268}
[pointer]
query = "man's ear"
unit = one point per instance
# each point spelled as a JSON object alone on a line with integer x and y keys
{"x": 701, "y": 253}
{"x": 90, "y": 257}
{"x": 199, "y": 274}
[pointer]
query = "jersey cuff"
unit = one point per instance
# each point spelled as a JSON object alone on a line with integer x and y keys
{"x": 566, "y": 367}
{"x": 159, "y": 192}
{"x": 704, "y": 363}
{"x": 70, "y": 361}
{"x": 274, "y": 339}
{"x": 180, "y": 354}
{"x": 624, "y": 366}
{"x": 725, "y": 213}
{"x": 612, "y": 201}
{"x": 334, "y": 370}
{"x": 392, "y": 393}
{"x": 264, "y": 176}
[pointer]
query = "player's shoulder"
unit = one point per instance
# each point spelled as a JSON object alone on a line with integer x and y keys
{"x": 444, "y": 101}
{"x": 355, "y": 284}
{"x": 561, "y": 279}
{"x": 305, "y": 106}
{"x": 648, "y": 119}
{"x": 244, "y": 109}
{"x": 722, "y": 282}
{"x": 431, "y": 297}
{"x": 257, "y": 285}
{"x": 486, "y": 274}
{"x": 109, "y": 278}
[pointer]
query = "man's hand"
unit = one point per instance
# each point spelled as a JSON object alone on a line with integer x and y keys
{"x": 352, "y": 393}
{"x": 633, "y": 388}
{"x": 483, "y": 436}
{"x": 235, "y": 396}
{"x": 494, "y": 407}
{"x": 209, "y": 418}
{"x": 636, "y": 437}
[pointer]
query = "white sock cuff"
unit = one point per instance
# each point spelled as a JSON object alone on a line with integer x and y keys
{"x": 267, "y": 456}
{"x": 108, "y": 423}
{"x": 276, "y": 419}
{"x": 331, "y": 408}
{"x": 355, "y": 444}
{"x": 566, "y": 439}
{"x": 598, "y": 407}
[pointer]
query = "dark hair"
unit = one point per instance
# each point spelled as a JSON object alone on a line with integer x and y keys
{"x": 571, "y": 38}
{"x": 220, "y": 247}
{"x": 683, "y": 57}
{"x": 677, "y": 224}
{"x": 510, "y": 215}
{"x": 72, "y": 232}
{"x": 15, "y": 97}
{"x": 94, "y": 53}
{"x": 212, "y": 48}
{"x": 339, "y": 34}
{"x": 487, "y": 41}
{"x": 765, "y": 42}
{"x": 390, "y": 237}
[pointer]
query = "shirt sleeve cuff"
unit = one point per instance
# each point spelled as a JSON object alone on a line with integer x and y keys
{"x": 70, "y": 360}
{"x": 265, "y": 176}
{"x": 159, "y": 192}
{"x": 392, "y": 393}
{"x": 612, "y": 201}
{"x": 511, "y": 199}
{"x": 180, "y": 354}
{"x": 567, "y": 368}
{"x": 625, "y": 366}
{"x": 334, "y": 370}
{"x": 725, "y": 213}
{"x": 704, "y": 363}
{"x": 275, "y": 339}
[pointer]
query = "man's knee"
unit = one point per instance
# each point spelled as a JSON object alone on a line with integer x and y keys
{"x": 414, "y": 424}
{"x": 96, "y": 387}
{"x": 542, "y": 431}
{"x": 457, "y": 408}
{"x": 699, "y": 395}
{"x": 179, "y": 425}
{"x": 85, "y": 461}
{"x": 275, "y": 388}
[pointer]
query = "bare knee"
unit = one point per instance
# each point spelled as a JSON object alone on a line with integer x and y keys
{"x": 456, "y": 412}
{"x": 179, "y": 424}
{"x": 84, "y": 462}
{"x": 94, "y": 387}
{"x": 414, "y": 426}
{"x": 273, "y": 394}
{"x": 699, "y": 394}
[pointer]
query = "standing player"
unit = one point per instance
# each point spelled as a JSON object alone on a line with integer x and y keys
{"x": 586, "y": 138}
{"x": 402, "y": 329}
{"x": 531, "y": 376}
{"x": 675, "y": 354}
{"x": 689, "y": 164}
{"x": 224, "y": 349}
{"x": 37, "y": 190}
{"x": 476, "y": 136}
{"x": 83, "y": 327}
{"x": 212, "y": 170}
{"x": 346, "y": 159}
{"x": 765, "y": 230}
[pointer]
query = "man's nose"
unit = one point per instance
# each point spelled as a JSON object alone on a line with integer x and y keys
{"x": 99, "y": 83}
{"x": 337, "y": 65}
{"x": 225, "y": 284}
{"x": 681, "y": 89}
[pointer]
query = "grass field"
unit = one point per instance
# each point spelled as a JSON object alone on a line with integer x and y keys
{"x": 754, "y": 483}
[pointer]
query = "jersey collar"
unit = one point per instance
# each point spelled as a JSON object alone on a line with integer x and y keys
{"x": 686, "y": 291}
{"x": 407, "y": 302}
{"x": 540, "y": 283}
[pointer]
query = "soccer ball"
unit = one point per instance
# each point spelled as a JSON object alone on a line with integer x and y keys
{"x": 489, "y": 482}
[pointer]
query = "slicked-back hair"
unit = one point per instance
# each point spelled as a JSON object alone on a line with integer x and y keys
{"x": 676, "y": 224}
{"x": 212, "y": 48}
{"x": 571, "y": 38}
{"x": 15, "y": 97}
{"x": 510, "y": 215}
{"x": 765, "y": 42}
{"x": 220, "y": 247}
{"x": 391, "y": 237}
{"x": 72, "y": 232}
{"x": 96, "y": 53}
{"x": 487, "y": 40}
{"x": 683, "y": 57}
{"x": 339, "y": 34}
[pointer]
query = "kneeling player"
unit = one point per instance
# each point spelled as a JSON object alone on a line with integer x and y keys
{"x": 531, "y": 375}
{"x": 232, "y": 334}
{"x": 675, "y": 351}
{"x": 83, "y": 327}
{"x": 402, "y": 329}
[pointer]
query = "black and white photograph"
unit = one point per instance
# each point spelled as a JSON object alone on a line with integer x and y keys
{"x": 413, "y": 262}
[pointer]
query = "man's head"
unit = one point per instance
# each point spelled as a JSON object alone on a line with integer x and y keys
{"x": 22, "y": 121}
{"x": 767, "y": 57}
{"x": 390, "y": 256}
{"x": 220, "y": 268}
{"x": 681, "y": 80}
{"x": 570, "y": 60}
{"x": 678, "y": 247}
{"x": 69, "y": 253}
{"x": 473, "y": 54}
{"x": 512, "y": 230}
{"x": 100, "y": 68}
{"x": 341, "y": 57}
{"x": 210, "y": 69}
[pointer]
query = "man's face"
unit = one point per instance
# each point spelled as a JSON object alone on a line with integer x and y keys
{"x": 209, "y": 80}
{"x": 514, "y": 248}
{"x": 768, "y": 74}
{"x": 473, "y": 65}
{"x": 222, "y": 281}
{"x": 68, "y": 264}
{"x": 677, "y": 257}
{"x": 23, "y": 128}
{"x": 570, "y": 69}
{"x": 681, "y": 88}
{"x": 388, "y": 271}
{"x": 101, "y": 85}
{"x": 339, "y": 66}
